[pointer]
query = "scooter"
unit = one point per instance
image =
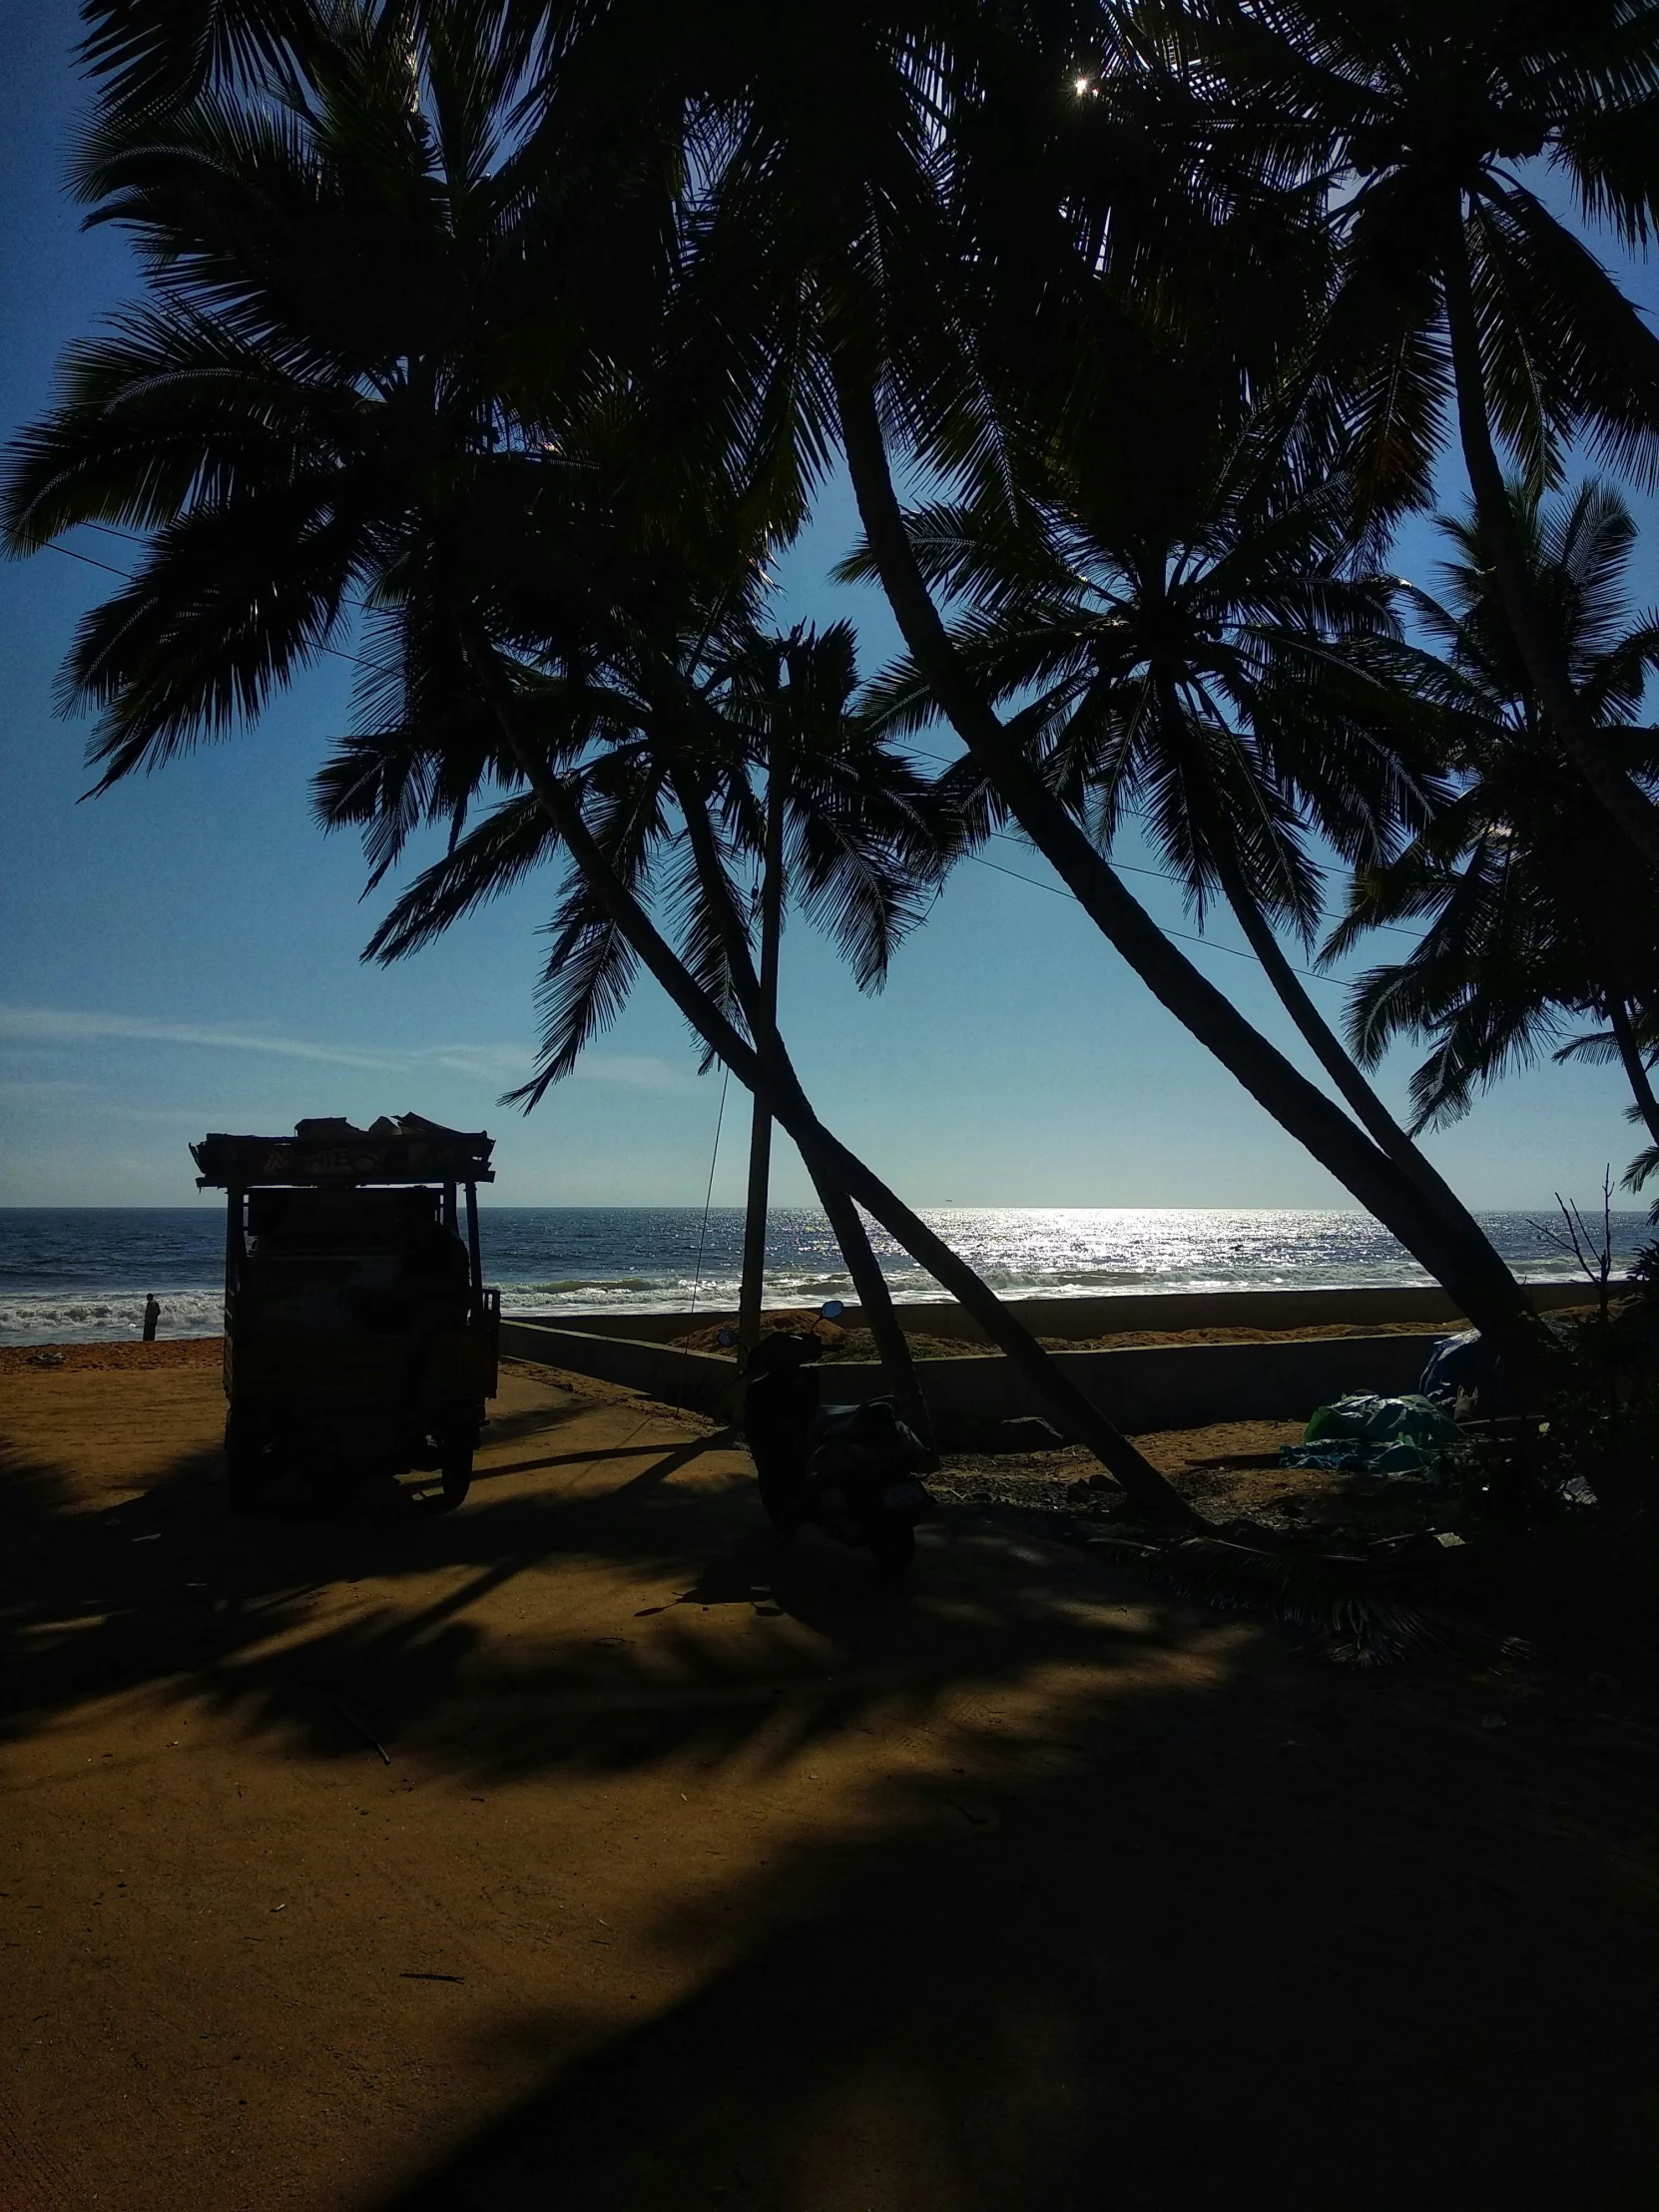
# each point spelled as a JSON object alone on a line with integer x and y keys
{"x": 851, "y": 1470}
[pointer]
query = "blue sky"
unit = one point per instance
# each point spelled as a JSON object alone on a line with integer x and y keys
{"x": 182, "y": 953}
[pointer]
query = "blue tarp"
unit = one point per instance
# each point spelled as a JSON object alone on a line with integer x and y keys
{"x": 1366, "y": 1434}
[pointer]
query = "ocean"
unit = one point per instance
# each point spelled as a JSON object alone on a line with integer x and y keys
{"x": 71, "y": 1274}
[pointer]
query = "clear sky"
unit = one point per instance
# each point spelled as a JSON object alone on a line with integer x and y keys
{"x": 182, "y": 953}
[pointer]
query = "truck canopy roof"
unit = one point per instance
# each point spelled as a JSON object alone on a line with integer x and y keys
{"x": 402, "y": 1148}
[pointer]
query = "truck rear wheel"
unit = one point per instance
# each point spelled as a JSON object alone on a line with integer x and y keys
{"x": 780, "y": 1502}
{"x": 456, "y": 1477}
{"x": 245, "y": 1465}
{"x": 894, "y": 1545}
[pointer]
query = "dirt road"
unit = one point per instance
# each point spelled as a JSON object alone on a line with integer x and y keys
{"x": 581, "y": 1850}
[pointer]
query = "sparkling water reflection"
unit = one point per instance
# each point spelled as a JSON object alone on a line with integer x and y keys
{"x": 79, "y": 1273}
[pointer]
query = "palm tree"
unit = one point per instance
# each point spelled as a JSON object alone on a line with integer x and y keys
{"x": 681, "y": 721}
{"x": 826, "y": 224}
{"x": 364, "y": 373}
{"x": 807, "y": 730}
{"x": 1529, "y": 919}
{"x": 1426, "y": 126}
{"x": 1191, "y": 645}
{"x": 847, "y": 250}
{"x": 1481, "y": 1283}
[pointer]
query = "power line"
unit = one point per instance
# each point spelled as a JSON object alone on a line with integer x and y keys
{"x": 70, "y": 553}
{"x": 1163, "y": 875}
{"x": 1130, "y": 867}
{"x": 708, "y": 1193}
{"x": 1209, "y": 943}
{"x": 351, "y": 660}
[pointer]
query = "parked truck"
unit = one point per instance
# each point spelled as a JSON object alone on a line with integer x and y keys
{"x": 360, "y": 1337}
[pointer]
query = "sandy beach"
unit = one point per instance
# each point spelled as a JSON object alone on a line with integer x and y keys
{"x": 860, "y": 1344}
{"x": 584, "y": 1847}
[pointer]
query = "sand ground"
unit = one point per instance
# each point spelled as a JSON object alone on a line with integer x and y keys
{"x": 584, "y": 1849}
{"x": 860, "y": 1344}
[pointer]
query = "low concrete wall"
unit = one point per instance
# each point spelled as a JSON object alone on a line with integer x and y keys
{"x": 1098, "y": 1317}
{"x": 700, "y": 1380}
{"x": 1141, "y": 1387}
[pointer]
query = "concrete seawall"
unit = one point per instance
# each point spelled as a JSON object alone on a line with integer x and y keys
{"x": 1098, "y": 1317}
{"x": 1139, "y": 1388}
{"x": 702, "y": 1381}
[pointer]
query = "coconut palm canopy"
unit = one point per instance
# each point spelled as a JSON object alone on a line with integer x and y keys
{"x": 865, "y": 843}
{"x": 1443, "y": 137}
{"x": 1526, "y": 924}
{"x": 1190, "y": 656}
{"x": 362, "y": 395}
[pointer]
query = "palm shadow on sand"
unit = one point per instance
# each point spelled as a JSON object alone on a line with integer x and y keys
{"x": 1194, "y": 1933}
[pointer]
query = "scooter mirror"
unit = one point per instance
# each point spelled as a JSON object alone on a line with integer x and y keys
{"x": 726, "y": 1337}
{"x": 830, "y": 1310}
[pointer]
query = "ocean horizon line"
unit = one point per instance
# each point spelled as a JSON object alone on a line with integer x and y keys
{"x": 214, "y": 1201}
{"x": 83, "y": 1273}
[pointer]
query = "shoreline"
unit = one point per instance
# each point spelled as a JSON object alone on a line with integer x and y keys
{"x": 1073, "y": 1317}
{"x": 88, "y": 1356}
{"x": 1116, "y": 1321}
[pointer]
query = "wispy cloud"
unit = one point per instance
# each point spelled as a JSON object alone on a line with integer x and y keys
{"x": 59, "y": 1026}
{"x": 25, "y": 1093}
{"x": 504, "y": 1066}
{"x": 497, "y": 1066}
{"x": 634, "y": 1071}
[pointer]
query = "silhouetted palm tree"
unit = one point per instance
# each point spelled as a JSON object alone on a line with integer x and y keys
{"x": 1389, "y": 1188}
{"x": 1532, "y": 920}
{"x": 1431, "y": 126}
{"x": 852, "y": 253}
{"x": 1190, "y": 646}
{"x": 681, "y": 720}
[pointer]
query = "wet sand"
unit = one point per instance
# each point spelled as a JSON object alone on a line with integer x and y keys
{"x": 127, "y": 1358}
{"x": 585, "y": 1849}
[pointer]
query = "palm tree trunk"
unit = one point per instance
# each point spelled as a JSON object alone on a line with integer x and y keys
{"x": 775, "y": 1079}
{"x": 764, "y": 1026}
{"x": 1635, "y": 1068}
{"x": 757, "y": 1199}
{"x": 1586, "y": 746}
{"x": 757, "y": 995}
{"x": 1479, "y": 1283}
{"x": 876, "y": 1300}
{"x": 1338, "y": 1063}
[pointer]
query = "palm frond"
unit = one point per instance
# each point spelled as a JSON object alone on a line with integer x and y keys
{"x": 512, "y": 841}
{"x": 1596, "y": 360}
{"x": 150, "y": 54}
{"x": 585, "y": 984}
